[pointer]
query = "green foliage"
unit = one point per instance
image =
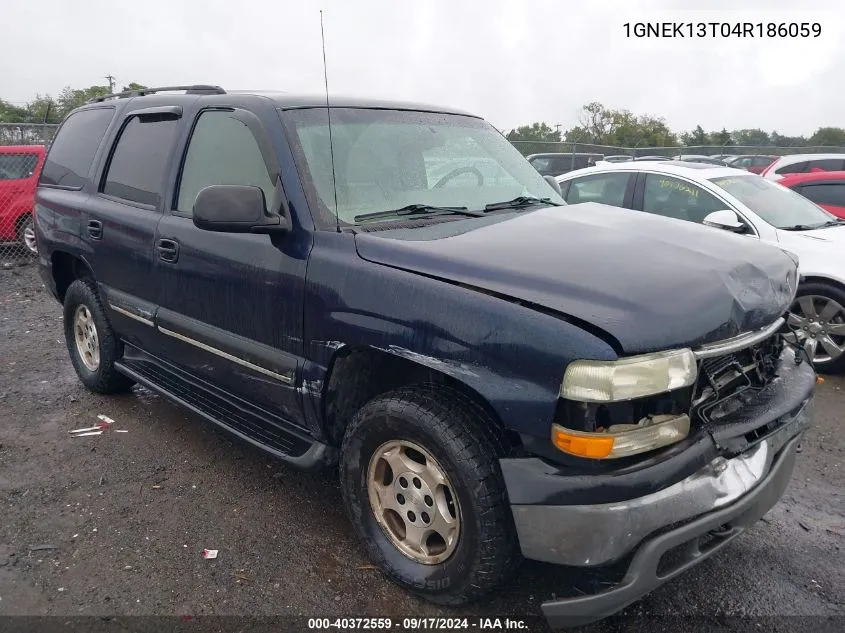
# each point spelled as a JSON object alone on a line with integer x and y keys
{"x": 834, "y": 136}
{"x": 535, "y": 138}
{"x": 49, "y": 109}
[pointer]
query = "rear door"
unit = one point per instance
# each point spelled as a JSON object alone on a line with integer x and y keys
{"x": 232, "y": 304}
{"x": 123, "y": 215}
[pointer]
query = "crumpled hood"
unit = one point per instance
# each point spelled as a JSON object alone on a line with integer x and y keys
{"x": 649, "y": 282}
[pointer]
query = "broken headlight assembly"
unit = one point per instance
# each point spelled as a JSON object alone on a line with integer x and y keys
{"x": 625, "y": 407}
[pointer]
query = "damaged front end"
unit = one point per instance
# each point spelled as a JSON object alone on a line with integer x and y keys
{"x": 721, "y": 456}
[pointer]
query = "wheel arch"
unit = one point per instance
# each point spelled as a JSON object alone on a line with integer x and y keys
{"x": 357, "y": 374}
{"x": 67, "y": 268}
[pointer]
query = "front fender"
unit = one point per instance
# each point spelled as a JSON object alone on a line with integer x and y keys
{"x": 512, "y": 355}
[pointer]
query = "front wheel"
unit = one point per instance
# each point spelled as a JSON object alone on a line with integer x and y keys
{"x": 423, "y": 489}
{"x": 817, "y": 323}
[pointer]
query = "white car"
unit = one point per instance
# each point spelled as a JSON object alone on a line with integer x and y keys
{"x": 801, "y": 163}
{"x": 738, "y": 201}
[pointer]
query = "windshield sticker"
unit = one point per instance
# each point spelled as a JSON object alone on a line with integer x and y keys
{"x": 668, "y": 183}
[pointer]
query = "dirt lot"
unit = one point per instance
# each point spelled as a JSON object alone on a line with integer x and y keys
{"x": 127, "y": 516}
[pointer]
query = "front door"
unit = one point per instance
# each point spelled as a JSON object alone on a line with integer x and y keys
{"x": 231, "y": 307}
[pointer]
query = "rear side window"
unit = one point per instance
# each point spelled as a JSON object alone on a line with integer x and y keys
{"x": 541, "y": 164}
{"x": 73, "y": 150}
{"x": 136, "y": 169}
{"x": 603, "y": 188}
{"x": 17, "y": 166}
{"x": 794, "y": 168}
{"x": 830, "y": 194}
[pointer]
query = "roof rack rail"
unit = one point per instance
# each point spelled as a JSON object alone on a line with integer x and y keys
{"x": 191, "y": 90}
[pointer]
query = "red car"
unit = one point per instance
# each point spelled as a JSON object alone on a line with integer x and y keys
{"x": 755, "y": 163}
{"x": 20, "y": 166}
{"x": 825, "y": 188}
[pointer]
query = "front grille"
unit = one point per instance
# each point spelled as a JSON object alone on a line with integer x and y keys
{"x": 726, "y": 383}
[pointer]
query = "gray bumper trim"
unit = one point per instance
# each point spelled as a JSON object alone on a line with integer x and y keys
{"x": 593, "y": 535}
{"x": 644, "y": 574}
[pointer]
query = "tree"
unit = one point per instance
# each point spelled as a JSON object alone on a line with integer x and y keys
{"x": 722, "y": 138}
{"x": 698, "y": 137}
{"x": 834, "y": 136}
{"x": 754, "y": 136}
{"x": 133, "y": 86}
{"x": 542, "y": 135}
{"x": 600, "y": 125}
{"x": 11, "y": 113}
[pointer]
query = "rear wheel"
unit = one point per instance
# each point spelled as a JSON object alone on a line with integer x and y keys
{"x": 423, "y": 489}
{"x": 817, "y": 323}
{"x": 26, "y": 234}
{"x": 91, "y": 342}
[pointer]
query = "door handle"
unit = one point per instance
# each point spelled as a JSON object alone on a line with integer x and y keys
{"x": 95, "y": 229}
{"x": 168, "y": 250}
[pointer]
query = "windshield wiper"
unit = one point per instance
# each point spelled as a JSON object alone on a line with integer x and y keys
{"x": 417, "y": 209}
{"x": 801, "y": 227}
{"x": 521, "y": 201}
{"x": 834, "y": 222}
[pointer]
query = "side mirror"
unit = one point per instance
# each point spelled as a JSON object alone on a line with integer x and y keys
{"x": 726, "y": 220}
{"x": 554, "y": 184}
{"x": 235, "y": 209}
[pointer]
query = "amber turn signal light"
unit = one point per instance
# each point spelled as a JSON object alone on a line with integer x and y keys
{"x": 582, "y": 445}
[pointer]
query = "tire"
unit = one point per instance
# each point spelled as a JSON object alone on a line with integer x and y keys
{"x": 82, "y": 299}
{"x": 814, "y": 295}
{"x": 26, "y": 234}
{"x": 465, "y": 444}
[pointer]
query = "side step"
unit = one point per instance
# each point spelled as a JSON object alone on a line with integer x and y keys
{"x": 248, "y": 422}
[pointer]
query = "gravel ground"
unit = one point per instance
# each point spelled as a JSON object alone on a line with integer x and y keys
{"x": 127, "y": 515}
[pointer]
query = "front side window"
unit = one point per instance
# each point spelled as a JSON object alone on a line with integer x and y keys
{"x": 388, "y": 159}
{"x": 17, "y": 166}
{"x": 603, "y": 188}
{"x": 222, "y": 151}
{"x": 832, "y": 194}
{"x": 774, "y": 203}
{"x": 677, "y": 198}
{"x": 72, "y": 152}
{"x": 136, "y": 170}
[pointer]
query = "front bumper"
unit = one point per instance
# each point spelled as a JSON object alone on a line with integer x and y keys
{"x": 662, "y": 557}
{"x": 628, "y": 521}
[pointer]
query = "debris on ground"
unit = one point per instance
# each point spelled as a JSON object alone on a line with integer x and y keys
{"x": 104, "y": 424}
{"x": 804, "y": 526}
{"x": 209, "y": 553}
{"x": 41, "y": 548}
{"x": 367, "y": 567}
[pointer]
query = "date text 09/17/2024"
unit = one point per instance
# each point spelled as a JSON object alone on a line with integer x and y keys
{"x": 722, "y": 29}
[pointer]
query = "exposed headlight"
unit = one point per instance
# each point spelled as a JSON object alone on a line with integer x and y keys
{"x": 629, "y": 378}
{"x": 622, "y": 440}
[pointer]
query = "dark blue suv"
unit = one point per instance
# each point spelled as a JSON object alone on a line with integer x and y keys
{"x": 393, "y": 289}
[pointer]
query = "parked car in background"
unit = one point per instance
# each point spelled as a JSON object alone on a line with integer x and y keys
{"x": 755, "y": 163}
{"x": 826, "y": 189}
{"x": 725, "y": 157}
{"x": 749, "y": 205}
{"x": 649, "y": 158}
{"x": 491, "y": 375}
{"x": 20, "y": 166}
{"x": 803, "y": 163}
{"x": 554, "y": 164}
{"x": 617, "y": 158}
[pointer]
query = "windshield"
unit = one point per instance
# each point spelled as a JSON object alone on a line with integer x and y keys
{"x": 774, "y": 203}
{"x": 389, "y": 159}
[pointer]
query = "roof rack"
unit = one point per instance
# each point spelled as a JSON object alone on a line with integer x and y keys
{"x": 191, "y": 90}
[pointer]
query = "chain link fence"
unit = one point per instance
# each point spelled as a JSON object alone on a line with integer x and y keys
{"x": 527, "y": 148}
{"x": 22, "y": 149}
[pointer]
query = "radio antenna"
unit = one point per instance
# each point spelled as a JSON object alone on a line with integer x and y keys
{"x": 329, "y": 116}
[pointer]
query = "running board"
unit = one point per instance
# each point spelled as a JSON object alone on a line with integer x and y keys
{"x": 242, "y": 419}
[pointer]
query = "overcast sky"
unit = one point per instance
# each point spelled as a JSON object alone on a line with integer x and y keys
{"x": 511, "y": 61}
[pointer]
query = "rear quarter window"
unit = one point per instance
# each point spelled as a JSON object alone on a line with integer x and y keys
{"x": 74, "y": 148}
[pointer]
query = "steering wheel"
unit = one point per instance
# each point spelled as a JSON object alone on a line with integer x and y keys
{"x": 458, "y": 172}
